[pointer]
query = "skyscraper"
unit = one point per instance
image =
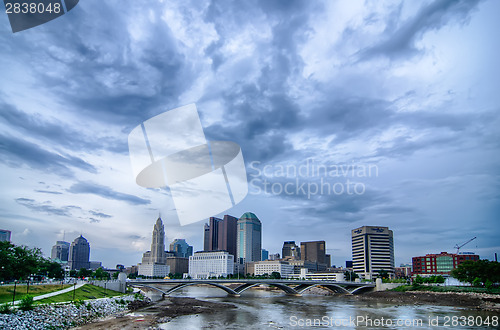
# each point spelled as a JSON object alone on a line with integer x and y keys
{"x": 290, "y": 250}
{"x": 313, "y": 251}
{"x": 154, "y": 262}
{"x": 5, "y": 235}
{"x": 372, "y": 250}
{"x": 60, "y": 251}
{"x": 220, "y": 234}
{"x": 79, "y": 253}
{"x": 181, "y": 249}
{"x": 249, "y": 239}
{"x": 157, "y": 254}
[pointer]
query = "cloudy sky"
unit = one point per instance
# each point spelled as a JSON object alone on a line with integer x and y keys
{"x": 409, "y": 90}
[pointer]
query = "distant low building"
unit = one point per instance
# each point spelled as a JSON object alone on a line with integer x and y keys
{"x": 270, "y": 266}
{"x": 95, "y": 265}
{"x": 5, "y": 235}
{"x": 180, "y": 248}
{"x": 204, "y": 265}
{"x": 403, "y": 271}
{"x": 440, "y": 264}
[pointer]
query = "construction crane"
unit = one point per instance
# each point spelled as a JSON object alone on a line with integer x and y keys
{"x": 458, "y": 247}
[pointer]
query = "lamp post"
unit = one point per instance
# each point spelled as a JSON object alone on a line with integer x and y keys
{"x": 14, "y": 296}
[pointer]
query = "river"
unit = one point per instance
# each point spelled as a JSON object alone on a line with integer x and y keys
{"x": 259, "y": 309}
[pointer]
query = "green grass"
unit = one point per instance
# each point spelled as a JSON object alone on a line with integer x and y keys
{"x": 86, "y": 292}
{"x": 7, "y": 291}
{"x": 405, "y": 288}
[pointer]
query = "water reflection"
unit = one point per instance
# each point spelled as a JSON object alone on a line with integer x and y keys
{"x": 258, "y": 309}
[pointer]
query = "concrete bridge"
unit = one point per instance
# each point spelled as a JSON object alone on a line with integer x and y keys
{"x": 292, "y": 287}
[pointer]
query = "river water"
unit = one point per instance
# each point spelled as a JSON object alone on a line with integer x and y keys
{"x": 259, "y": 309}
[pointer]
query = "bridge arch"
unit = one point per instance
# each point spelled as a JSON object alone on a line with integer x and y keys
{"x": 152, "y": 287}
{"x": 361, "y": 289}
{"x": 183, "y": 285}
{"x": 283, "y": 287}
{"x": 331, "y": 287}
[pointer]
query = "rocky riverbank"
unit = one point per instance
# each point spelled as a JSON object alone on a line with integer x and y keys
{"x": 480, "y": 301}
{"x": 149, "y": 316}
{"x": 64, "y": 316}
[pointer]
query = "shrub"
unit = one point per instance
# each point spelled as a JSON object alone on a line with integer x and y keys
{"x": 5, "y": 308}
{"x": 26, "y": 303}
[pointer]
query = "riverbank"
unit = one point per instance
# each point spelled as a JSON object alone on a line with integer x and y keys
{"x": 150, "y": 315}
{"x": 480, "y": 301}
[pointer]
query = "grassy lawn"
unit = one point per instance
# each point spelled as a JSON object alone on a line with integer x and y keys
{"x": 84, "y": 293}
{"x": 446, "y": 289}
{"x": 6, "y": 291}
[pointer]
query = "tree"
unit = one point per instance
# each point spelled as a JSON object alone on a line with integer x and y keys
{"x": 383, "y": 274}
{"x": 478, "y": 272}
{"x": 100, "y": 274}
{"x": 84, "y": 272}
{"x": 275, "y": 275}
{"x": 52, "y": 269}
{"x": 18, "y": 262}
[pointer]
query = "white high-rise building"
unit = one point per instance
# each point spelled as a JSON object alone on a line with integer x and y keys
{"x": 209, "y": 264}
{"x": 372, "y": 250}
{"x": 249, "y": 238}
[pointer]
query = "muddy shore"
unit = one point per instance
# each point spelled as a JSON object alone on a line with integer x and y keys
{"x": 147, "y": 316}
{"x": 480, "y": 301}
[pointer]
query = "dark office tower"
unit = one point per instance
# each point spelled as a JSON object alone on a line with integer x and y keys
{"x": 60, "y": 251}
{"x": 79, "y": 253}
{"x": 206, "y": 237}
{"x": 220, "y": 234}
{"x": 313, "y": 251}
{"x": 227, "y": 234}
{"x": 211, "y": 236}
{"x": 290, "y": 249}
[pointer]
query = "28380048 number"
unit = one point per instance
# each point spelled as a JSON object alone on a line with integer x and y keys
{"x": 32, "y": 8}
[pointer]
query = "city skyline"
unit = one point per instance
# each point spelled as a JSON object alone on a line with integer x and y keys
{"x": 348, "y": 114}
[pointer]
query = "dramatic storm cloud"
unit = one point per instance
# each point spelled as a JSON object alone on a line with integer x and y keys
{"x": 348, "y": 113}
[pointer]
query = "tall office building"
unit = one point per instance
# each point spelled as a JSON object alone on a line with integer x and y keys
{"x": 290, "y": 250}
{"x": 265, "y": 254}
{"x": 372, "y": 250}
{"x": 313, "y": 251}
{"x": 5, "y": 235}
{"x": 154, "y": 262}
{"x": 60, "y": 251}
{"x": 249, "y": 239}
{"x": 220, "y": 234}
{"x": 181, "y": 249}
{"x": 157, "y": 253}
{"x": 79, "y": 253}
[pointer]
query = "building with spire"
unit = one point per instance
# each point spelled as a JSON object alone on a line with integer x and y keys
{"x": 79, "y": 253}
{"x": 154, "y": 262}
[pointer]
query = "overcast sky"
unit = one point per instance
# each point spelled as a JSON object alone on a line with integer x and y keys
{"x": 407, "y": 89}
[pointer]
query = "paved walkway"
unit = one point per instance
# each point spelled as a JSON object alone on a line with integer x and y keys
{"x": 55, "y": 293}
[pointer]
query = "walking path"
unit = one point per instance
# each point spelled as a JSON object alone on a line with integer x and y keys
{"x": 55, "y": 293}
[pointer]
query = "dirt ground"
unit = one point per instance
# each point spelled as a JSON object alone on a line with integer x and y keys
{"x": 148, "y": 316}
{"x": 466, "y": 300}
